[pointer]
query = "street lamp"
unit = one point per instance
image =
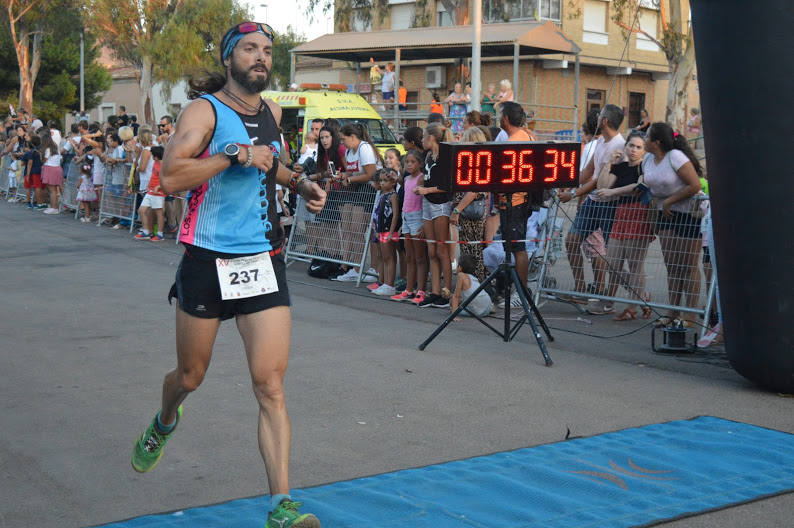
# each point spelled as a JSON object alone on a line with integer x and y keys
{"x": 265, "y": 6}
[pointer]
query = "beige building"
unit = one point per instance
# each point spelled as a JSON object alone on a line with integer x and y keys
{"x": 629, "y": 74}
{"x": 125, "y": 91}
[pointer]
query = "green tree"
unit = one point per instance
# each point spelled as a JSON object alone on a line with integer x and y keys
{"x": 676, "y": 42}
{"x": 56, "y": 88}
{"x": 346, "y": 12}
{"x": 166, "y": 40}
{"x": 279, "y": 76}
{"x": 26, "y": 29}
{"x": 678, "y": 45}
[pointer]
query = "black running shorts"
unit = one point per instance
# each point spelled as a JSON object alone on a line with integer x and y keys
{"x": 199, "y": 294}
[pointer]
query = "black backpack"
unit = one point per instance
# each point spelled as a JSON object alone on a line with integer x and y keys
{"x": 322, "y": 269}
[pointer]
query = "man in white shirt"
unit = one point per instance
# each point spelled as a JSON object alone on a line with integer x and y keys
{"x": 596, "y": 214}
{"x": 36, "y": 124}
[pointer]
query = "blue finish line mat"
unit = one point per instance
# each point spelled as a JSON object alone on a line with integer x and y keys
{"x": 632, "y": 477}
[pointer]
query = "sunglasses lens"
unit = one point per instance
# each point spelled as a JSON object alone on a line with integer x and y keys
{"x": 247, "y": 27}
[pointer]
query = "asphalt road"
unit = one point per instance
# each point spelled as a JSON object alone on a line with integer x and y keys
{"x": 86, "y": 335}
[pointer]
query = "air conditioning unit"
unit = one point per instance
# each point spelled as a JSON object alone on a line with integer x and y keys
{"x": 433, "y": 76}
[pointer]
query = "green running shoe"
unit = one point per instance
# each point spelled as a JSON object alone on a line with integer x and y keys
{"x": 286, "y": 515}
{"x": 148, "y": 449}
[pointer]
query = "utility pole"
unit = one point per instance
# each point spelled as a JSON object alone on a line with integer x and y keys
{"x": 476, "y": 45}
{"x": 82, "y": 72}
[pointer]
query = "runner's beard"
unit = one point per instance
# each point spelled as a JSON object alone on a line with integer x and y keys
{"x": 252, "y": 86}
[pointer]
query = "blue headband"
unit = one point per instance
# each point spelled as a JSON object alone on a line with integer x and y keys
{"x": 232, "y": 42}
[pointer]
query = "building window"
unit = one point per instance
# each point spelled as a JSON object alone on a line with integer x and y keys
{"x": 501, "y": 11}
{"x": 550, "y": 9}
{"x": 595, "y": 99}
{"x": 649, "y": 19}
{"x": 359, "y": 25}
{"x": 402, "y": 16}
{"x": 636, "y": 104}
{"x": 443, "y": 18}
{"x": 595, "y": 22}
{"x": 106, "y": 110}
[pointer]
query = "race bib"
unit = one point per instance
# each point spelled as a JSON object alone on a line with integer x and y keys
{"x": 246, "y": 276}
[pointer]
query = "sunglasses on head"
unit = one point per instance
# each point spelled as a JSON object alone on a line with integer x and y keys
{"x": 251, "y": 27}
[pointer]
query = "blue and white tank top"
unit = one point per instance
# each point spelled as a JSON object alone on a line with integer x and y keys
{"x": 235, "y": 210}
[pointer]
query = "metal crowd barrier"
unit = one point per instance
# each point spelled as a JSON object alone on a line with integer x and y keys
{"x": 624, "y": 260}
{"x": 21, "y": 193}
{"x": 340, "y": 233}
{"x": 71, "y": 184}
{"x": 117, "y": 200}
{"x": 5, "y": 163}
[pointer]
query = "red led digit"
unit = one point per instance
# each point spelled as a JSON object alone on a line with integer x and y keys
{"x": 459, "y": 176}
{"x": 552, "y": 165}
{"x": 524, "y": 165}
{"x": 570, "y": 165}
{"x": 511, "y": 166}
{"x": 478, "y": 179}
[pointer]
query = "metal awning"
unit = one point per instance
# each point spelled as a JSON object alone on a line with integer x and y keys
{"x": 454, "y": 42}
{"x": 451, "y": 42}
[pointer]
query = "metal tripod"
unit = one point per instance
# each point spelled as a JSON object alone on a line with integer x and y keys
{"x": 508, "y": 269}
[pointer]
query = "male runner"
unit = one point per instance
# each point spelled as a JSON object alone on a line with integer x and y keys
{"x": 225, "y": 150}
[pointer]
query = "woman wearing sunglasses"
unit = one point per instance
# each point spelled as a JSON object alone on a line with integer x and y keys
{"x": 225, "y": 151}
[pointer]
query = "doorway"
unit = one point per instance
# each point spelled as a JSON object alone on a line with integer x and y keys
{"x": 636, "y": 104}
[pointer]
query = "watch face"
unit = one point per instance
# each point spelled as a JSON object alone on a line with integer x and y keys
{"x": 231, "y": 149}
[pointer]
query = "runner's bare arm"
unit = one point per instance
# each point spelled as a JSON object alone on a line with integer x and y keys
{"x": 182, "y": 169}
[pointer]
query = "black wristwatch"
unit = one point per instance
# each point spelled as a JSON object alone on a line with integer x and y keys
{"x": 232, "y": 151}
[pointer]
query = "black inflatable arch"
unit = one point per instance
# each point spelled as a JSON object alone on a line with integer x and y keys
{"x": 745, "y": 63}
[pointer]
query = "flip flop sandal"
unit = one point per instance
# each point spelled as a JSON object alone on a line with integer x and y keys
{"x": 626, "y": 315}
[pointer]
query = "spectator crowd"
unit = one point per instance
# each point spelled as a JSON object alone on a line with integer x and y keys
{"x": 118, "y": 157}
{"x": 632, "y": 190}
{"x": 428, "y": 247}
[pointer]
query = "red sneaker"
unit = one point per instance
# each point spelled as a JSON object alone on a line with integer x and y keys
{"x": 404, "y": 295}
{"x": 418, "y": 297}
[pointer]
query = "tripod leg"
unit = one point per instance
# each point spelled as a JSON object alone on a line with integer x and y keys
{"x": 507, "y": 270}
{"x": 535, "y": 311}
{"x": 525, "y": 303}
{"x": 460, "y": 308}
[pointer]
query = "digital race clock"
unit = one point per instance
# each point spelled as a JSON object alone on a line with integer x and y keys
{"x": 509, "y": 166}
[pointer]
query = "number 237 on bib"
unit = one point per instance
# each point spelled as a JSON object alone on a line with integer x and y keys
{"x": 246, "y": 276}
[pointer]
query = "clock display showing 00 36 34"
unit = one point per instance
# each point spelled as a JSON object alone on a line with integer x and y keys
{"x": 510, "y": 166}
